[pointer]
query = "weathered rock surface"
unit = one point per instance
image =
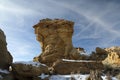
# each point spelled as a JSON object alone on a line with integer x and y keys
{"x": 5, "y": 57}
{"x": 55, "y": 37}
{"x": 113, "y": 49}
{"x": 113, "y": 58}
{"x": 27, "y": 70}
{"x": 99, "y": 54}
{"x": 68, "y": 66}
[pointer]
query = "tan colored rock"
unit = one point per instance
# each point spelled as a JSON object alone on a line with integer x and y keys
{"x": 113, "y": 49}
{"x": 5, "y": 57}
{"x": 30, "y": 69}
{"x": 113, "y": 58}
{"x": 55, "y": 37}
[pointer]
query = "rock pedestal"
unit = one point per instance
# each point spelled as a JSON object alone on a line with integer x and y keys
{"x": 55, "y": 37}
{"x": 5, "y": 57}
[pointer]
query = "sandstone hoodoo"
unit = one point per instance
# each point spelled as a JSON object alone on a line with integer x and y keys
{"x": 55, "y": 37}
{"x": 5, "y": 56}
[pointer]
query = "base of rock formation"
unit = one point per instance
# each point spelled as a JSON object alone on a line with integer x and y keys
{"x": 55, "y": 37}
{"x": 67, "y": 66}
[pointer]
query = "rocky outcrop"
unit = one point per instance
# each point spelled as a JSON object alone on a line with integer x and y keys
{"x": 113, "y": 58}
{"x": 113, "y": 49}
{"x": 28, "y": 70}
{"x": 5, "y": 57}
{"x": 99, "y": 54}
{"x": 55, "y": 37}
{"x": 100, "y": 51}
{"x": 68, "y": 66}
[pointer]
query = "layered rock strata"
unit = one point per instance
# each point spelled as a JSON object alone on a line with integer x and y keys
{"x": 81, "y": 66}
{"x": 55, "y": 37}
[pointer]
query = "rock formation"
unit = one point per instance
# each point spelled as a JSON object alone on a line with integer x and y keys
{"x": 55, "y": 37}
{"x": 113, "y": 59}
{"x": 113, "y": 49}
{"x": 5, "y": 57}
{"x": 68, "y": 66}
{"x": 99, "y": 54}
{"x": 29, "y": 70}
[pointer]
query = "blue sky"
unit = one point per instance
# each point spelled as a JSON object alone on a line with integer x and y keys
{"x": 97, "y": 23}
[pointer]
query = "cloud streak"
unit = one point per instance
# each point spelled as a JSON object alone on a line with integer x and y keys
{"x": 96, "y": 23}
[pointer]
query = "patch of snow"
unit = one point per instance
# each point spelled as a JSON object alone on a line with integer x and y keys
{"x": 104, "y": 78}
{"x": 75, "y": 76}
{"x": 83, "y": 53}
{"x": 1, "y": 77}
{"x": 43, "y": 76}
{"x": 68, "y": 77}
{"x": 36, "y": 64}
{"x": 4, "y": 71}
{"x": 77, "y": 60}
{"x": 113, "y": 78}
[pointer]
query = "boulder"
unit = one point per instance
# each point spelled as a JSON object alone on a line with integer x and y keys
{"x": 27, "y": 70}
{"x": 5, "y": 56}
{"x": 67, "y": 66}
{"x": 113, "y": 58}
{"x": 55, "y": 37}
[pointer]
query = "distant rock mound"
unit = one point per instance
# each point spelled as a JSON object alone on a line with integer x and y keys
{"x": 5, "y": 56}
{"x": 55, "y": 37}
{"x": 99, "y": 54}
{"x": 113, "y": 58}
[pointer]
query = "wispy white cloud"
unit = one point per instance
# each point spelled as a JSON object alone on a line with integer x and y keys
{"x": 101, "y": 18}
{"x": 96, "y": 23}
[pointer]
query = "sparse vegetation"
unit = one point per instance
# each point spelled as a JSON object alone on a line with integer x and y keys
{"x": 118, "y": 76}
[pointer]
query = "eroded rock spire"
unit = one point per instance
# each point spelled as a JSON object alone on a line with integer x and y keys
{"x": 55, "y": 37}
